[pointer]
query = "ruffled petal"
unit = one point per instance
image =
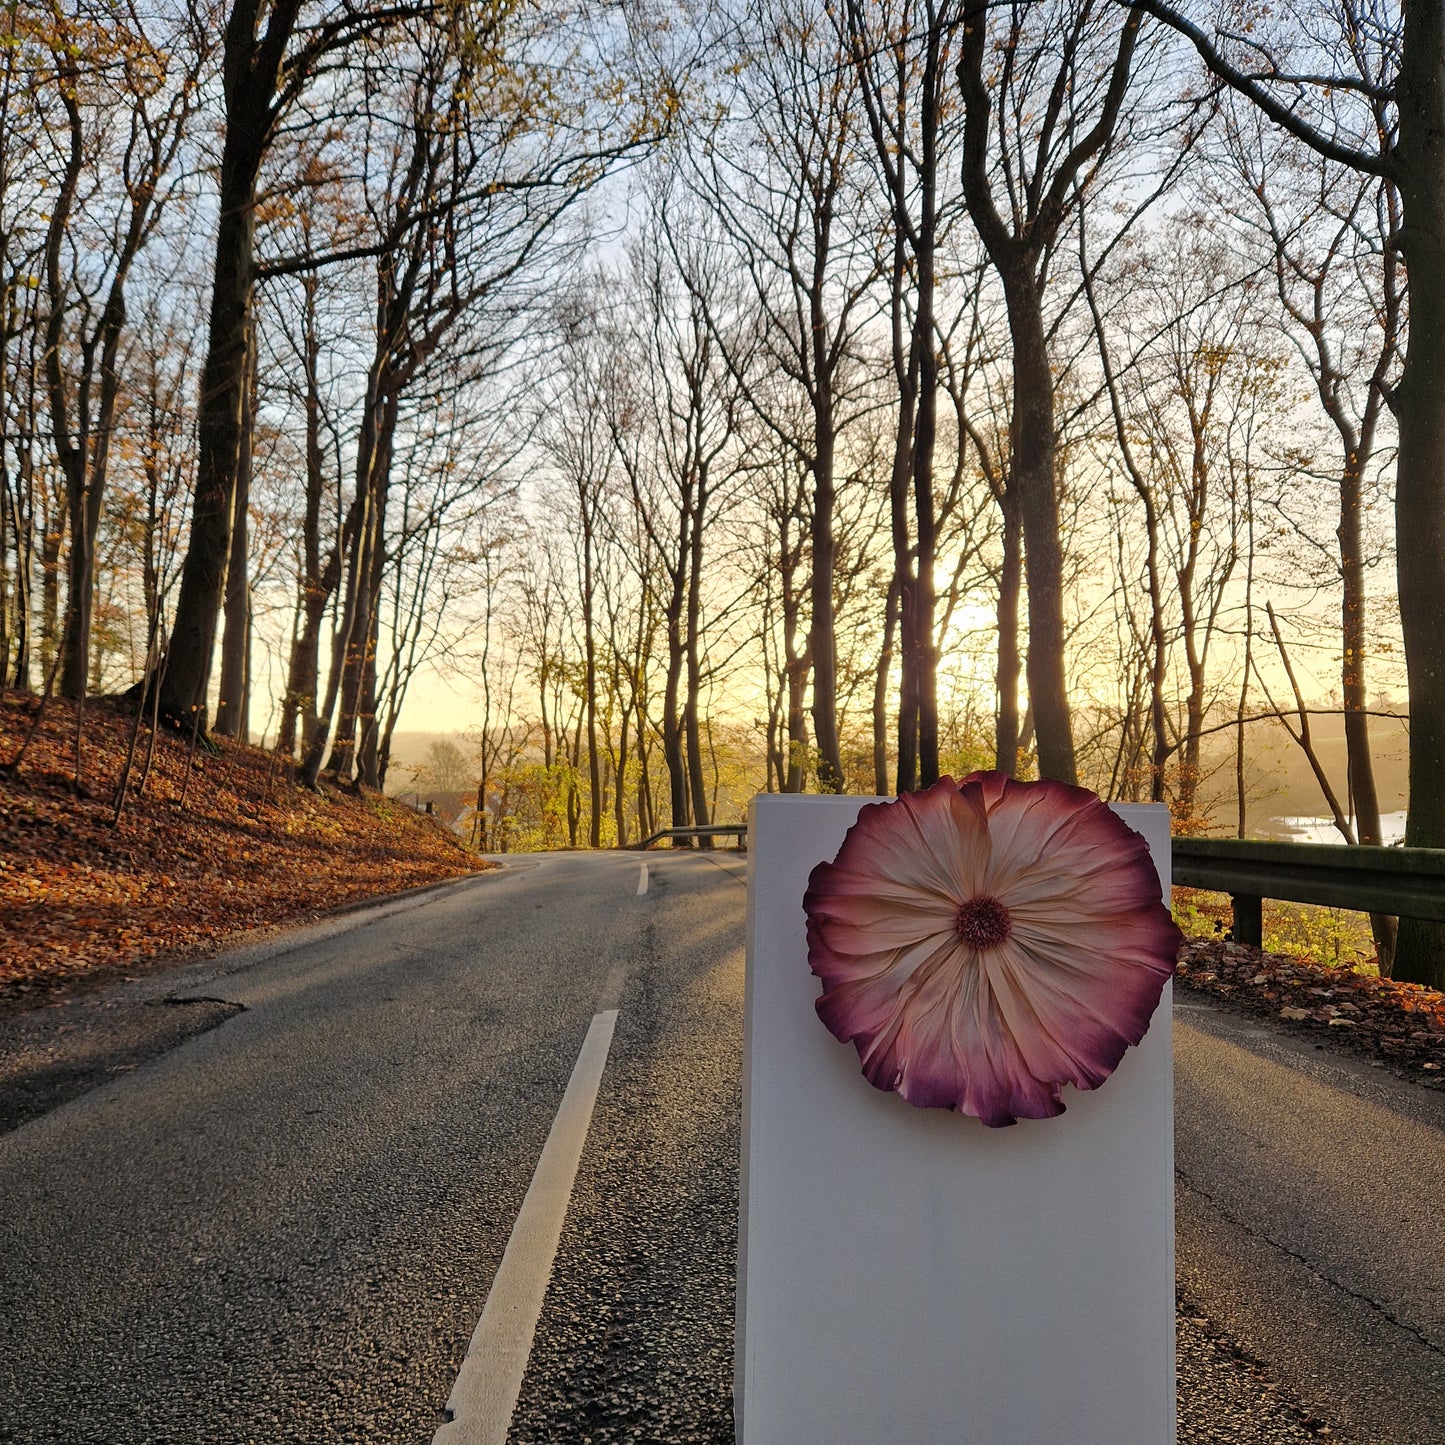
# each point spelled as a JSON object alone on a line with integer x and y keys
{"x": 996, "y": 1030}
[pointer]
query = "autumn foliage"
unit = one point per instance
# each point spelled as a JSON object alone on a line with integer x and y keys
{"x": 190, "y": 864}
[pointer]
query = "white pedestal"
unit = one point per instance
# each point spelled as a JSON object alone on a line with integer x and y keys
{"x": 910, "y": 1277}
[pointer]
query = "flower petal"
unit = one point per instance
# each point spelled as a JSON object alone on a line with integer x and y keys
{"x": 995, "y": 1031}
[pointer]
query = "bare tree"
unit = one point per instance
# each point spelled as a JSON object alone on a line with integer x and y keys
{"x": 1036, "y": 132}
{"x": 1331, "y": 236}
{"x": 785, "y": 181}
{"x": 1366, "y": 90}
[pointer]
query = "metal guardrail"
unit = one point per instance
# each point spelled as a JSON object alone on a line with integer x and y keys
{"x": 1405, "y": 882}
{"x": 713, "y": 830}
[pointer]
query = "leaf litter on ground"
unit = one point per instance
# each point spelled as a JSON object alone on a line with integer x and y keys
{"x": 1401, "y": 1024}
{"x": 85, "y": 902}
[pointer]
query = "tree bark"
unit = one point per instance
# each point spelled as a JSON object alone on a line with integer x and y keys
{"x": 822, "y": 643}
{"x": 692, "y": 715}
{"x": 231, "y": 705}
{"x": 1010, "y": 666}
{"x": 251, "y": 73}
{"x": 1420, "y": 470}
{"x": 223, "y": 389}
{"x": 1032, "y": 477}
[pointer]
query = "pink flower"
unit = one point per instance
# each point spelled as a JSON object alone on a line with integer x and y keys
{"x": 984, "y": 943}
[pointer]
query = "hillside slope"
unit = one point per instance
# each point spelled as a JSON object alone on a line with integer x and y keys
{"x": 189, "y": 865}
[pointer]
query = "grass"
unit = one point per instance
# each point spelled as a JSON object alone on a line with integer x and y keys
{"x": 1330, "y": 937}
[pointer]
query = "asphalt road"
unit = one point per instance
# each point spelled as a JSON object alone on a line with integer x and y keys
{"x": 286, "y": 1227}
{"x": 1310, "y": 1209}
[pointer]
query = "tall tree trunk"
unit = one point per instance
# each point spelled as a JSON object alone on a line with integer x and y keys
{"x": 881, "y": 674}
{"x": 594, "y": 761}
{"x": 925, "y": 649}
{"x": 368, "y": 741}
{"x": 6, "y": 614}
{"x": 52, "y": 542}
{"x": 1420, "y": 481}
{"x": 619, "y": 800}
{"x": 252, "y": 71}
{"x": 70, "y": 434}
{"x": 231, "y": 705}
{"x": 692, "y": 720}
{"x": 360, "y": 653}
{"x": 354, "y": 542}
{"x": 317, "y": 584}
{"x": 223, "y": 391}
{"x": 925, "y": 423}
{"x": 822, "y": 644}
{"x": 904, "y": 577}
{"x": 22, "y": 517}
{"x": 1010, "y": 585}
{"x": 1032, "y": 475}
{"x": 672, "y": 723}
{"x": 1354, "y": 693}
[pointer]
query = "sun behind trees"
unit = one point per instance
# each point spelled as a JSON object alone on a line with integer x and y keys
{"x": 786, "y": 395}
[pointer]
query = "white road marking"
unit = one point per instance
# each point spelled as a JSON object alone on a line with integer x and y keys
{"x": 482, "y": 1400}
{"x": 642, "y": 881}
{"x": 612, "y": 988}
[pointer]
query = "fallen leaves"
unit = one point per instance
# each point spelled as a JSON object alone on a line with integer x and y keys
{"x": 1401, "y": 1023}
{"x": 82, "y": 901}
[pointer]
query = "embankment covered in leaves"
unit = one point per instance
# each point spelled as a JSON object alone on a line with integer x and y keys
{"x": 207, "y": 845}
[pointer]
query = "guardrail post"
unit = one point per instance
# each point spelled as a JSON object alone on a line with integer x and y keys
{"x": 1248, "y": 919}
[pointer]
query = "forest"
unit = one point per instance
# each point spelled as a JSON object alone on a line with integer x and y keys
{"x": 825, "y": 395}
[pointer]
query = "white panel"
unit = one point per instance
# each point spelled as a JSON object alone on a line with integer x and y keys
{"x": 909, "y": 1277}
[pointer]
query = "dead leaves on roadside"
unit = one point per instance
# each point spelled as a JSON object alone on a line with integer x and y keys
{"x": 82, "y": 901}
{"x": 1401, "y": 1023}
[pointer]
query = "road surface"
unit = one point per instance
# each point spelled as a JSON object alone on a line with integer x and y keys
{"x": 286, "y": 1228}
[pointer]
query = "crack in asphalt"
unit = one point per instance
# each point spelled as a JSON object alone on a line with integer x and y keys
{"x": 718, "y": 863}
{"x": 1381, "y": 1309}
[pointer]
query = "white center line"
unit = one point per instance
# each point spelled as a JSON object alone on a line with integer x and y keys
{"x": 482, "y": 1400}
{"x": 642, "y": 881}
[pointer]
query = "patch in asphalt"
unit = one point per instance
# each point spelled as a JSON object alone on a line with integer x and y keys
{"x": 49, "y": 1056}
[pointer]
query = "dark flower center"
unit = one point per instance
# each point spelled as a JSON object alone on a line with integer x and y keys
{"x": 984, "y": 922}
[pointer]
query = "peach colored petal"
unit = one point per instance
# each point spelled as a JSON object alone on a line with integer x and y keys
{"x": 952, "y": 1012}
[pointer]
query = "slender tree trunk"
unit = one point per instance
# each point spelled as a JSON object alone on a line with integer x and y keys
{"x": 1159, "y": 659}
{"x": 355, "y": 698}
{"x": 794, "y": 774}
{"x": 368, "y": 746}
{"x": 1354, "y": 694}
{"x": 317, "y": 584}
{"x": 236, "y": 634}
{"x": 594, "y": 762}
{"x": 357, "y": 623}
{"x": 1420, "y": 470}
{"x": 52, "y": 541}
{"x": 1010, "y": 666}
{"x": 299, "y": 703}
{"x": 925, "y": 423}
{"x": 692, "y": 722}
{"x": 1032, "y": 475}
{"x": 5, "y": 605}
{"x": 23, "y": 528}
{"x": 881, "y": 675}
{"x": 353, "y": 541}
{"x": 904, "y": 581}
{"x": 672, "y": 741}
{"x": 925, "y": 648}
{"x": 822, "y": 643}
{"x": 70, "y": 433}
{"x": 619, "y": 809}
{"x": 223, "y": 390}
